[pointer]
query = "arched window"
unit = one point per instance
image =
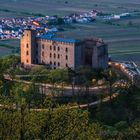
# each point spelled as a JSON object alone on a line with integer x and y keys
{"x": 66, "y": 65}
{"x": 66, "y": 49}
{"x": 50, "y": 62}
{"x": 58, "y": 64}
{"x": 27, "y": 52}
{"x": 50, "y": 47}
{"x": 43, "y": 54}
{"x": 58, "y": 49}
{"x": 42, "y": 46}
{"x": 54, "y": 55}
{"x": 58, "y": 56}
{"x": 66, "y": 57}
{"x": 27, "y": 45}
{"x": 50, "y": 55}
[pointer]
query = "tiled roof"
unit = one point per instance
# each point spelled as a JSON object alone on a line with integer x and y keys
{"x": 51, "y": 37}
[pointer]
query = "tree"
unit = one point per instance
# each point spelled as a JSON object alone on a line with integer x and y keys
{"x": 58, "y": 123}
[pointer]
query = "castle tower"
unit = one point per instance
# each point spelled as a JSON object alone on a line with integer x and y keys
{"x": 28, "y": 47}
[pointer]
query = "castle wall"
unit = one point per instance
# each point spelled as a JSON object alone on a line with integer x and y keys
{"x": 28, "y": 47}
{"x": 56, "y": 54}
{"x": 61, "y": 54}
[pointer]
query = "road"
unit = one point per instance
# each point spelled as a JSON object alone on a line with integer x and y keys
{"x": 82, "y": 106}
{"x": 67, "y": 89}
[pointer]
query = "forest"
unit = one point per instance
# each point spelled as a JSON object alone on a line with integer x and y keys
{"x": 27, "y": 113}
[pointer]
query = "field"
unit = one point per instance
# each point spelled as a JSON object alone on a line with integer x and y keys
{"x": 122, "y": 36}
{"x": 63, "y": 7}
{"x": 5, "y": 51}
{"x": 9, "y": 47}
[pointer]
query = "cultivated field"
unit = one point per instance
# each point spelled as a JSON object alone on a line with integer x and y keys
{"x": 63, "y": 7}
{"x": 5, "y": 51}
{"x": 122, "y": 36}
{"x": 9, "y": 47}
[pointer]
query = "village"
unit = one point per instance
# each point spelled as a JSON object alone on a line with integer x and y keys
{"x": 12, "y": 28}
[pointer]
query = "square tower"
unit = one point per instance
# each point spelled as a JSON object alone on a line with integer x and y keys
{"x": 28, "y": 48}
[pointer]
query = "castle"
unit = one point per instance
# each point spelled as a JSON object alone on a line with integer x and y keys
{"x": 60, "y": 52}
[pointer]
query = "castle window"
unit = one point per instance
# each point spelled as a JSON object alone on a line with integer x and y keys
{"x": 58, "y": 49}
{"x": 50, "y": 55}
{"x": 54, "y": 55}
{"x": 66, "y": 65}
{"x": 54, "y": 47}
{"x": 42, "y": 53}
{"x": 54, "y": 63}
{"x": 27, "y": 61}
{"x": 27, "y": 53}
{"x": 37, "y": 45}
{"x": 66, "y": 57}
{"x": 36, "y": 60}
{"x": 42, "y": 46}
{"x": 36, "y": 52}
{"x": 58, "y": 64}
{"x": 50, "y": 62}
{"x": 58, "y": 56}
{"x": 50, "y": 47}
{"x": 66, "y": 49}
{"x": 27, "y": 45}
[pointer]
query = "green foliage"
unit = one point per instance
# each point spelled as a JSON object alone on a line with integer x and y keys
{"x": 39, "y": 74}
{"x": 20, "y": 117}
{"x": 58, "y": 76}
{"x": 60, "y": 123}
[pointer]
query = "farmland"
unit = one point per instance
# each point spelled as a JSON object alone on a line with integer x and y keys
{"x": 63, "y": 7}
{"x": 122, "y": 36}
{"x": 9, "y": 47}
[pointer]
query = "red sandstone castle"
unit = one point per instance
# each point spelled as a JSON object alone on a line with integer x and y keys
{"x": 60, "y": 53}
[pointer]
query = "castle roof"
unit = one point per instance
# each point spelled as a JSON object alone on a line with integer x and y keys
{"x": 51, "y": 37}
